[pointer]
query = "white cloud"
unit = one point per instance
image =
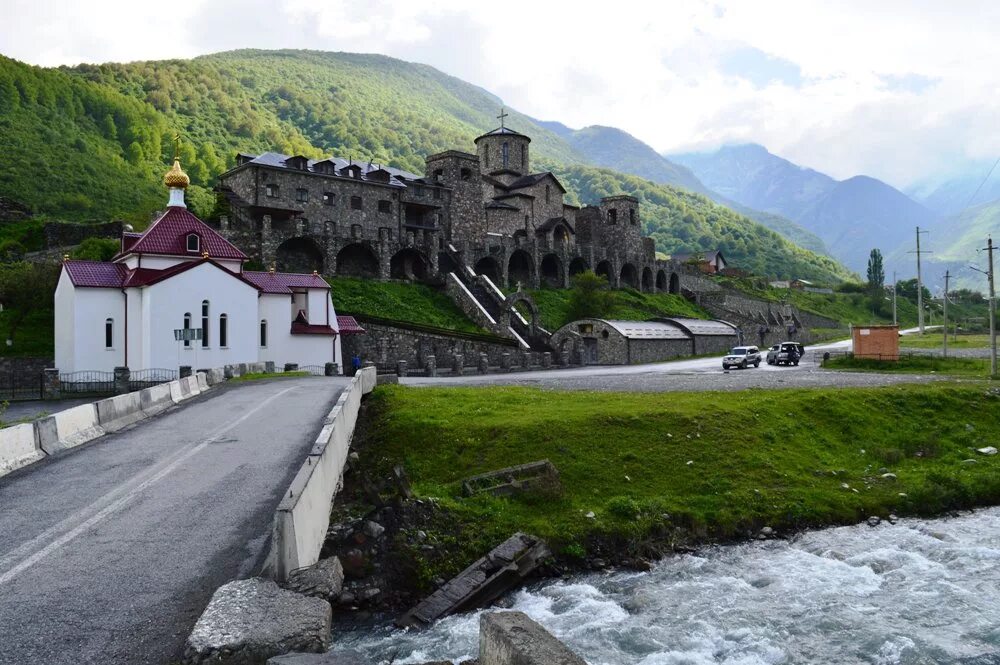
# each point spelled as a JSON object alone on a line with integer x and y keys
{"x": 895, "y": 89}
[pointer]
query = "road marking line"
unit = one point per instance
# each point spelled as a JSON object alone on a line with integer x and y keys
{"x": 130, "y": 488}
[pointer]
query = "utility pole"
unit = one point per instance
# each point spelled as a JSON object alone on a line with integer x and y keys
{"x": 947, "y": 276}
{"x": 993, "y": 312}
{"x": 894, "y": 321}
{"x": 920, "y": 284}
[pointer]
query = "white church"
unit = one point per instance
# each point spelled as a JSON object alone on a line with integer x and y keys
{"x": 177, "y": 294}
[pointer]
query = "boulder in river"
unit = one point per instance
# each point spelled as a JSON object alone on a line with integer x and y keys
{"x": 324, "y": 579}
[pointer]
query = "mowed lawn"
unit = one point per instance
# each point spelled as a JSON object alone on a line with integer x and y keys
{"x": 717, "y": 465}
{"x": 933, "y": 340}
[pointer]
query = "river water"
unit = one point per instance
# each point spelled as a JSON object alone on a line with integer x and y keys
{"x": 920, "y": 591}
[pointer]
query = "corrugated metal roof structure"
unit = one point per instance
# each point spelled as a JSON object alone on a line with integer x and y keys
{"x": 648, "y": 329}
{"x": 168, "y": 235}
{"x": 702, "y": 326}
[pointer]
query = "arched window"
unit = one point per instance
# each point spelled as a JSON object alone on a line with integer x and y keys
{"x": 263, "y": 333}
{"x": 547, "y": 188}
{"x": 204, "y": 324}
{"x": 506, "y": 153}
{"x": 187, "y": 326}
{"x": 523, "y": 167}
{"x": 223, "y": 331}
{"x": 109, "y": 333}
{"x": 193, "y": 242}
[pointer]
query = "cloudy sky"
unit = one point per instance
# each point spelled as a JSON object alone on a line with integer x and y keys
{"x": 903, "y": 91}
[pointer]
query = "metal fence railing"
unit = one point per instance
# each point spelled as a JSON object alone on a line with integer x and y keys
{"x": 87, "y": 382}
{"x": 147, "y": 378}
{"x": 315, "y": 370}
{"x": 20, "y": 385}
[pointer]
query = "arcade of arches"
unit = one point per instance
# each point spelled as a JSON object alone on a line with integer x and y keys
{"x": 299, "y": 255}
{"x": 357, "y": 260}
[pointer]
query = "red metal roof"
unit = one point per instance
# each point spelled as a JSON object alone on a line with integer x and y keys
{"x": 96, "y": 274}
{"x": 348, "y": 326}
{"x": 312, "y": 329}
{"x": 284, "y": 282}
{"x": 168, "y": 235}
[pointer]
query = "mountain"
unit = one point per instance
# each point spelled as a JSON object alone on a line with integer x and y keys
{"x": 851, "y": 216}
{"x": 954, "y": 195}
{"x": 615, "y": 149}
{"x": 91, "y": 142}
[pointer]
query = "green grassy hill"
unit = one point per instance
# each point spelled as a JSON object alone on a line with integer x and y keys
{"x": 90, "y": 142}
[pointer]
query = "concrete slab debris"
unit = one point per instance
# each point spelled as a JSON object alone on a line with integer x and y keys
{"x": 513, "y": 479}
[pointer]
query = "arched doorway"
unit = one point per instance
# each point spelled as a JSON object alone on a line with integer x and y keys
{"x": 408, "y": 264}
{"x": 628, "y": 276}
{"x": 577, "y": 265}
{"x": 519, "y": 269}
{"x": 604, "y": 270}
{"x": 299, "y": 255}
{"x": 661, "y": 280}
{"x": 446, "y": 264}
{"x": 357, "y": 260}
{"x": 488, "y": 267}
{"x": 647, "y": 280}
{"x": 675, "y": 283}
{"x": 552, "y": 274}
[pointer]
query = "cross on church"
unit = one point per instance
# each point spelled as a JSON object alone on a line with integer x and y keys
{"x": 502, "y": 116}
{"x": 177, "y": 146}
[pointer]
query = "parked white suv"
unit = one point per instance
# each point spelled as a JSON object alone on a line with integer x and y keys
{"x": 742, "y": 357}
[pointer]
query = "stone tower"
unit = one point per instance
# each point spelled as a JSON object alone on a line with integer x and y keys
{"x": 460, "y": 172}
{"x": 503, "y": 154}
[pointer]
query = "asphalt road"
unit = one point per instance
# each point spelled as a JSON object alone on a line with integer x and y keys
{"x": 685, "y": 375}
{"x": 108, "y": 554}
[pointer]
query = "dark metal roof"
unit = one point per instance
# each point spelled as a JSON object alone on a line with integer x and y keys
{"x": 534, "y": 179}
{"x": 279, "y": 160}
{"x": 500, "y": 205}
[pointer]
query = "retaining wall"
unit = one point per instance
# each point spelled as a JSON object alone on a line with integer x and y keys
{"x": 303, "y": 516}
{"x": 18, "y": 447}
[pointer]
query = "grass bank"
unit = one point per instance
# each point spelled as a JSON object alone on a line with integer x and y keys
{"x": 933, "y": 340}
{"x": 648, "y": 471}
{"x": 399, "y": 301}
{"x": 977, "y": 368}
{"x": 628, "y": 304}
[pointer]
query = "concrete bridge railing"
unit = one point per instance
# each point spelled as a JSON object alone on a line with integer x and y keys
{"x": 303, "y": 516}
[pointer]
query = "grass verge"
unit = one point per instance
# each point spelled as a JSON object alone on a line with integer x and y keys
{"x": 654, "y": 468}
{"x": 936, "y": 341}
{"x": 628, "y": 304}
{"x": 399, "y": 301}
{"x": 268, "y": 375}
{"x": 978, "y": 368}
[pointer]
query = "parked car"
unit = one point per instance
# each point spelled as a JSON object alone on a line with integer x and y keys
{"x": 742, "y": 357}
{"x": 786, "y": 353}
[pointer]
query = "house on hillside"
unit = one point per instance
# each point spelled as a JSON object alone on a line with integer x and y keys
{"x": 177, "y": 294}
{"x": 708, "y": 262}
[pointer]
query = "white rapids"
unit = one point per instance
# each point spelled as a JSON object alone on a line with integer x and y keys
{"x": 918, "y": 592}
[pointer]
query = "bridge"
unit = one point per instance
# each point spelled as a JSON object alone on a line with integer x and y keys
{"x": 109, "y": 553}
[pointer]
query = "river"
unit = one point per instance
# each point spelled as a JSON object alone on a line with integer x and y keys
{"x": 920, "y": 591}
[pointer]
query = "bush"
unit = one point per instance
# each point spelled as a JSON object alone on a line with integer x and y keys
{"x": 591, "y": 297}
{"x": 622, "y": 507}
{"x": 97, "y": 249}
{"x": 11, "y": 251}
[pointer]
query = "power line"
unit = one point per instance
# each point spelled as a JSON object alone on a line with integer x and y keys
{"x": 975, "y": 193}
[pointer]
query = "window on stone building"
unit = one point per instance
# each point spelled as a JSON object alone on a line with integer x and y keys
{"x": 263, "y": 333}
{"x": 385, "y": 206}
{"x": 355, "y": 203}
{"x": 505, "y": 151}
{"x": 612, "y": 216}
{"x": 204, "y": 324}
{"x": 547, "y": 188}
{"x": 418, "y": 190}
{"x": 330, "y": 227}
{"x": 437, "y": 193}
{"x": 355, "y": 230}
{"x": 109, "y": 333}
{"x": 329, "y": 198}
{"x": 302, "y": 195}
{"x": 193, "y": 242}
{"x": 522, "y": 158}
{"x": 486, "y": 157}
{"x": 223, "y": 331}
{"x": 187, "y": 326}
{"x": 271, "y": 191}
{"x": 631, "y": 216}
{"x": 438, "y": 174}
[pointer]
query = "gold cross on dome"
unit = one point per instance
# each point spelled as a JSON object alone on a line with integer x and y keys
{"x": 177, "y": 146}
{"x": 502, "y": 116}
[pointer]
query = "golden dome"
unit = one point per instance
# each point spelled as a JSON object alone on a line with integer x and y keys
{"x": 176, "y": 177}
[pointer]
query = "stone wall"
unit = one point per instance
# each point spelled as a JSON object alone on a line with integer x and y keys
{"x": 65, "y": 234}
{"x": 387, "y": 344}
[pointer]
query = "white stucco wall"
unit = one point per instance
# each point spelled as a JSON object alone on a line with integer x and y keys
{"x": 64, "y": 320}
{"x": 165, "y": 303}
{"x": 155, "y": 262}
{"x": 79, "y": 336}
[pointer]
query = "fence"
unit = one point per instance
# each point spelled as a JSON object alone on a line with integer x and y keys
{"x": 315, "y": 370}
{"x": 20, "y": 384}
{"x": 87, "y": 382}
{"x": 147, "y": 378}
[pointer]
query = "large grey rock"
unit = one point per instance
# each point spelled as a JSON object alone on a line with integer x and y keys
{"x": 342, "y": 658}
{"x": 512, "y": 638}
{"x": 249, "y": 621}
{"x": 324, "y": 579}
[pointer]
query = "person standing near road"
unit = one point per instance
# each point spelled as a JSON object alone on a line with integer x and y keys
{"x": 356, "y": 363}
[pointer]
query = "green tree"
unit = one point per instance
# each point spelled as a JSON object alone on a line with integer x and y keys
{"x": 11, "y": 251}
{"x": 908, "y": 289}
{"x": 876, "y": 272}
{"x": 97, "y": 249}
{"x": 25, "y": 288}
{"x": 591, "y": 296}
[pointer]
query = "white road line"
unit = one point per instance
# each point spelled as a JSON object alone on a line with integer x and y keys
{"x": 34, "y": 550}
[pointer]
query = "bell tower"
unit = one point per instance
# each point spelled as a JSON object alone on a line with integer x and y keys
{"x": 504, "y": 151}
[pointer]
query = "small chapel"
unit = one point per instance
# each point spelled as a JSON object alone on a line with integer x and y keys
{"x": 177, "y": 294}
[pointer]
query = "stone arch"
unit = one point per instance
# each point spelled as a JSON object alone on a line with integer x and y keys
{"x": 488, "y": 267}
{"x": 357, "y": 260}
{"x": 604, "y": 269}
{"x": 629, "y": 276}
{"x": 551, "y": 271}
{"x": 299, "y": 255}
{"x": 522, "y": 297}
{"x": 675, "y": 283}
{"x": 408, "y": 263}
{"x": 520, "y": 268}
{"x": 661, "y": 280}
{"x": 577, "y": 265}
{"x": 446, "y": 264}
{"x": 647, "y": 279}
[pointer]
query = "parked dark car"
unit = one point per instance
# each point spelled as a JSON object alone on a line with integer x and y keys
{"x": 742, "y": 357}
{"x": 786, "y": 353}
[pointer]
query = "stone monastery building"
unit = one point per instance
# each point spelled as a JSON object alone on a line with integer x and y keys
{"x": 180, "y": 274}
{"x": 486, "y": 210}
